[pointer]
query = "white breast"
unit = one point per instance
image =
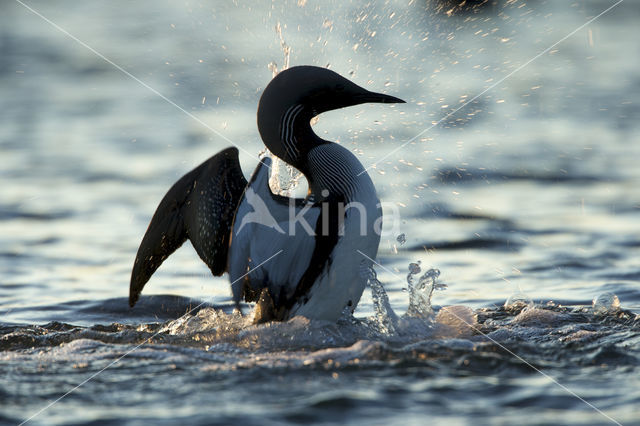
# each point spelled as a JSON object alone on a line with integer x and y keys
{"x": 264, "y": 234}
{"x": 286, "y": 247}
{"x": 336, "y": 169}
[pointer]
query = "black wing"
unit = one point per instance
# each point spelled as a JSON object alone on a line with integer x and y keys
{"x": 200, "y": 207}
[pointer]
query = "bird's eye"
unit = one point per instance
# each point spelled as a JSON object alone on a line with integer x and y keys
{"x": 339, "y": 88}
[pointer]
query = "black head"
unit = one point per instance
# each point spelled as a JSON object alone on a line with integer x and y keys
{"x": 294, "y": 97}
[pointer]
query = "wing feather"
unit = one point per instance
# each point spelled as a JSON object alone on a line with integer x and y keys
{"x": 199, "y": 207}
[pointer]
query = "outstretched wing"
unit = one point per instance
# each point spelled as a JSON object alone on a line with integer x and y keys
{"x": 199, "y": 207}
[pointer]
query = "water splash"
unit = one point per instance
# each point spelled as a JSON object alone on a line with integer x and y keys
{"x": 606, "y": 303}
{"x": 284, "y": 179}
{"x": 419, "y": 312}
{"x": 384, "y": 316}
{"x": 456, "y": 322}
{"x": 420, "y": 293}
{"x": 207, "y": 320}
{"x": 401, "y": 239}
{"x": 286, "y": 50}
{"x": 518, "y": 301}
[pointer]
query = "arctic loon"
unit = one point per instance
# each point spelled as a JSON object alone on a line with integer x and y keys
{"x": 291, "y": 256}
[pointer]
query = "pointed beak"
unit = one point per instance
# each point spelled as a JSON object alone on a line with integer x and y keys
{"x": 380, "y": 98}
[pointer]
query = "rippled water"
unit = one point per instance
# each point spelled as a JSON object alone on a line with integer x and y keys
{"x": 528, "y": 194}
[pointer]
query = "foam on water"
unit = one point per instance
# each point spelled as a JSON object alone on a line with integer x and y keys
{"x": 217, "y": 351}
{"x": 233, "y": 341}
{"x": 211, "y": 327}
{"x": 223, "y": 330}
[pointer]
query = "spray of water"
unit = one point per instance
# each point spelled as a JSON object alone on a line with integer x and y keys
{"x": 605, "y": 304}
{"x": 420, "y": 293}
{"x": 384, "y": 316}
{"x": 419, "y": 312}
{"x": 284, "y": 178}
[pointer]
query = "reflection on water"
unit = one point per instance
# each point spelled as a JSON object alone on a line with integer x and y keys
{"x": 529, "y": 194}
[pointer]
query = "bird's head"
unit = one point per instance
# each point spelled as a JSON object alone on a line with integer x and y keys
{"x": 298, "y": 94}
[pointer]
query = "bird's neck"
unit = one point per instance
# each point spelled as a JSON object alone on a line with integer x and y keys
{"x": 298, "y": 141}
{"x": 335, "y": 173}
{"x": 306, "y": 139}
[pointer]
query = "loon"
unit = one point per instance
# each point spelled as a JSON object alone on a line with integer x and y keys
{"x": 292, "y": 256}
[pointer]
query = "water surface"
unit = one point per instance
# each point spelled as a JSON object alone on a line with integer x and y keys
{"x": 531, "y": 188}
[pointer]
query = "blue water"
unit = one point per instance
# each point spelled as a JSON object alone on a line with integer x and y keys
{"x": 530, "y": 191}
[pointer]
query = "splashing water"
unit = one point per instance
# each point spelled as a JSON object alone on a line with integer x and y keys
{"x": 419, "y": 312}
{"x": 284, "y": 178}
{"x": 206, "y": 320}
{"x": 518, "y": 301}
{"x": 401, "y": 239}
{"x": 286, "y": 50}
{"x": 384, "y": 316}
{"x": 606, "y": 303}
{"x": 210, "y": 328}
{"x": 420, "y": 293}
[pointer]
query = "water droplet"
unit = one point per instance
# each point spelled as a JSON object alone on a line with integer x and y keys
{"x": 606, "y": 303}
{"x": 401, "y": 239}
{"x": 518, "y": 300}
{"x": 414, "y": 268}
